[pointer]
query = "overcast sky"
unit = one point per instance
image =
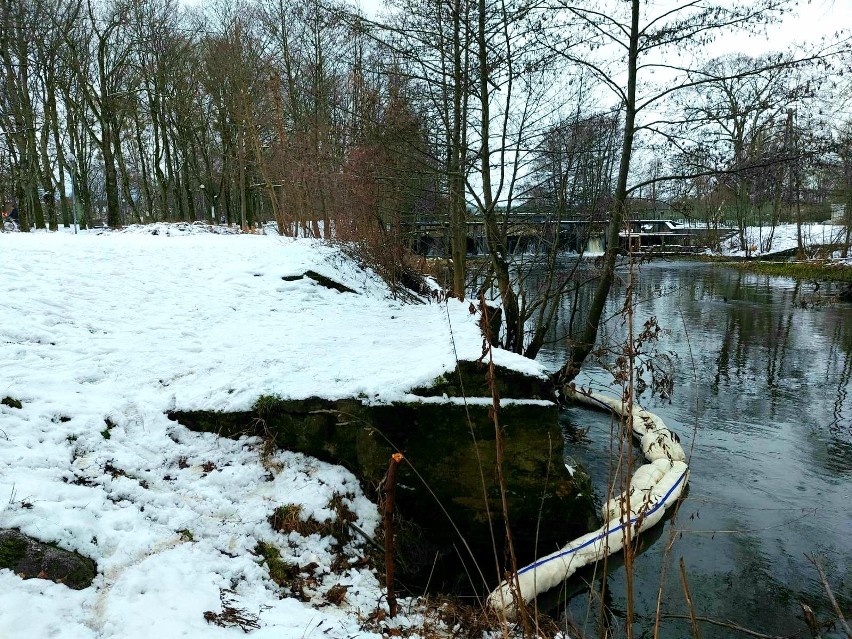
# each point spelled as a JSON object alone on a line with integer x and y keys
{"x": 813, "y": 20}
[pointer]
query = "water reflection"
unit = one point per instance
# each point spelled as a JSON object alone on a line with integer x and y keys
{"x": 762, "y": 378}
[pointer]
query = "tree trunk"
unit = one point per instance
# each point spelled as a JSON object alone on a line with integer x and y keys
{"x": 583, "y": 347}
{"x": 495, "y": 239}
{"x": 457, "y": 206}
{"x": 110, "y": 176}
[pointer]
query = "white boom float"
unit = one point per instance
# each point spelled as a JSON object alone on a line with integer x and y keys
{"x": 654, "y": 487}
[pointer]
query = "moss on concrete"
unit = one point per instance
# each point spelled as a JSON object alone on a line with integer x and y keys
{"x": 11, "y": 402}
{"x": 452, "y": 448}
{"x": 31, "y": 558}
{"x": 469, "y": 380}
{"x": 12, "y": 550}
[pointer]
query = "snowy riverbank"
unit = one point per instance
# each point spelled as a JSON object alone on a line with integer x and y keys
{"x": 766, "y": 241}
{"x": 101, "y": 334}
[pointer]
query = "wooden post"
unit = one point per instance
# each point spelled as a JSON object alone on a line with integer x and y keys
{"x": 388, "y": 489}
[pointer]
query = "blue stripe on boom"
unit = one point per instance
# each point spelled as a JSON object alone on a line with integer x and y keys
{"x": 656, "y": 507}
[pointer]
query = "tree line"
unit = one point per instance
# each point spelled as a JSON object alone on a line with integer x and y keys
{"x": 334, "y": 123}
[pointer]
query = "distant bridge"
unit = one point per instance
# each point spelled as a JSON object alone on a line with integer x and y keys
{"x": 532, "y": 232}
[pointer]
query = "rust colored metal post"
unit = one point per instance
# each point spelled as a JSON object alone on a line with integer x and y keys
{"x": 389, "y": 488}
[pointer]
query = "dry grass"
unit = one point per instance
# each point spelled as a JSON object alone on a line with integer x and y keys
{"x": 288, "y": 518}
{"x": 231, "y": 616}
{"x": 444, "y": 617}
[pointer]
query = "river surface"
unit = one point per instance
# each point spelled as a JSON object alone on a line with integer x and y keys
{"x": 761, "y": 397}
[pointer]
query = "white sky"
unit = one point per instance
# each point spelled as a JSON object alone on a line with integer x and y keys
{"x": 812, "y": 20}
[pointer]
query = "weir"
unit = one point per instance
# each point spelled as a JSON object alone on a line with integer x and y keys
{"x": 531, "y": 232}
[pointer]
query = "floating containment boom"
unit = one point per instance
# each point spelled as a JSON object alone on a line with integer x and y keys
{"x": 654, "y": 487}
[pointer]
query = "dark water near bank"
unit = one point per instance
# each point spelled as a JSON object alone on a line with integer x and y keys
{"x": 764, "y": 385}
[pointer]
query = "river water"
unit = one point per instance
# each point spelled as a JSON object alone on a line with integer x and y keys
{"x": 762, "y": 369}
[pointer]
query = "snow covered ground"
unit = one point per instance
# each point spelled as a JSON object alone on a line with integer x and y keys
{"x": 100, "y": 334}
{"x": 765, "y": 241}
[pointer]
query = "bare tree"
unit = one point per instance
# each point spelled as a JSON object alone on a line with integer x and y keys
{"x": 841, "y": 170}
{"x": 21, "y": 115}
{"x": 637, "y": 39}
{"x": 742, "y": 114}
